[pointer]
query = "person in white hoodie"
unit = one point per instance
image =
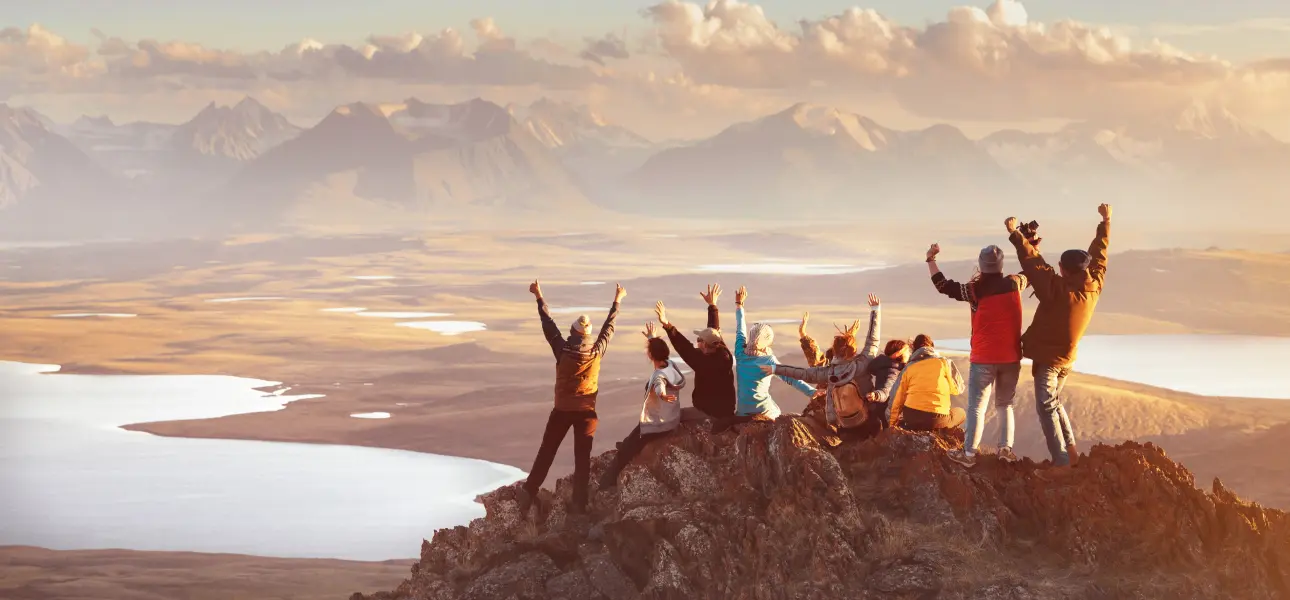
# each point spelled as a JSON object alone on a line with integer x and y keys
{"x": 660, "y": 413}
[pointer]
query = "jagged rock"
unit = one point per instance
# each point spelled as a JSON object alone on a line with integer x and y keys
{"x": 766, "y": 511}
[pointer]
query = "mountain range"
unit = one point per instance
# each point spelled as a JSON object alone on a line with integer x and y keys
{"x": 412, "y": 163}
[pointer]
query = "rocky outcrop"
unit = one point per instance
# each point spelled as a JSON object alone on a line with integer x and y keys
{"x": 767, "y": 512}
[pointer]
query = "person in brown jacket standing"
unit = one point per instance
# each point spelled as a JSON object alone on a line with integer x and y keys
{"x": 1066, "y": 303}
{"x": 577, "y": 375}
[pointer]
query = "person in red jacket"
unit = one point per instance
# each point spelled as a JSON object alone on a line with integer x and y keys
{"x": 995, "y": 300}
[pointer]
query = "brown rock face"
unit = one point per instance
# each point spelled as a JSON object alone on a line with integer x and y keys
{"x": 766, "y": 512}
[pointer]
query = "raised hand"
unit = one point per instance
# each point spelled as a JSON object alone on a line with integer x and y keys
{"x": 933, "y": 251}
{"x": 714, "y": 292}
{"x": 661, "y": 311}
{"x": 619, "y": 293}
{"x": 1010, "y": 224}
{"x": 535, "y": 289}
{"x": 649, "y": 331}
{"x": 874, "y": 302}
{"x": 741, "y": 294}
{"x": 768, "y": 369}
{"x": 1105, "y": 211}
{"x": 801, "y": 328}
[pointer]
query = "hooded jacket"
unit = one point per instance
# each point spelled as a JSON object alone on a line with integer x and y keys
{"x": 753, "y": 386}
{"x": 1065, "y": 305}
{"x": 714, "y": 374}
{"x": 841, "y": 372}
{"x": 657, "y": 413}
{"x": 926, "y": 384}
{"x": 577, "y": 360}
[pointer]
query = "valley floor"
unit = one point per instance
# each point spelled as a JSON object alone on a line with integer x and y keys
{"x": 257, "y": 308}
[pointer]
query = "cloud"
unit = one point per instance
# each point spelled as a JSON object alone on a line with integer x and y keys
{"x": 992, "y": 63}
{"x": 610, "y": 46}
{"x": 446, "y": 57}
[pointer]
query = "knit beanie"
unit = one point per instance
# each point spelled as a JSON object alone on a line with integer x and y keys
{"x": 582, "y": 326}
{"x": 991, "y": 259}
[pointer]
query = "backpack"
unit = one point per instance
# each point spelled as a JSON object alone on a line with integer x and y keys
{"x": 849, "y": 405}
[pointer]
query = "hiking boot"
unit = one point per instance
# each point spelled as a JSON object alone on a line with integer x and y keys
{"x": 963, "y": 458}
{"x": 1005, "y": 454}
{"x": 1074, "y": 454}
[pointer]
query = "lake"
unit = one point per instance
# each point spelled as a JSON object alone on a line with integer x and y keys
{"x": 72, "y": 479}
{"x": 1209, "y": 365}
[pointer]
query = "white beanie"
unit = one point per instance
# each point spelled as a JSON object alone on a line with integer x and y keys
{"x": 760, "y": 337}
{"x": 581, "y": 326}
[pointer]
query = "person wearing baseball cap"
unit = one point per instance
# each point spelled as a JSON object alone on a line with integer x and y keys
{"x": 1067, "y": 297}
{"x": 711, "y": 360}
{"x": 995, "y": 360}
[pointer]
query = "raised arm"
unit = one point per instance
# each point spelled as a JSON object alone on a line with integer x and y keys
{"x": 683, "y": 347}
{"x": 943, "y": 284}
{"x": 550, "y": 330}
{"x": 870, "y": 348}
{"x": 607, "y": 330}
{"x": 711, "y": 296}
{"x": 1097, "y": 250}
{"x": 741, "y": 328}
{"x": 1041, "y": 275}
{"x": 810, "y": 350}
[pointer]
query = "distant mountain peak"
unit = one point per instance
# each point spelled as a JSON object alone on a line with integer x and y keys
{"x": 239, "y": 132}
{"x": 99, "y": 121}
{"x": 562, "y": 124}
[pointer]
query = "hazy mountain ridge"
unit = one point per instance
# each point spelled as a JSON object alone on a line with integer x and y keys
{"x": 412, "y": 160}
{"x": 552, "y": 157}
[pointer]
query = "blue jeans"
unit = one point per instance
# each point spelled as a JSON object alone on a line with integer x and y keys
{"x": 1049, "y": 382}
{"x": 982, "y": 380}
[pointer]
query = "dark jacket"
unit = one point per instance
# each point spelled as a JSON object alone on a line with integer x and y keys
{"x": 714, "y": 375}
{"x": 577, "y": 361}
{"x": 996, "y": 314}
{"x": 1065, "y": 306}
{"x": 884, "y": 371}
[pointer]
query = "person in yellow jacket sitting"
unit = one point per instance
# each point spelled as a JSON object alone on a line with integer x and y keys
{"x": 921, "y": 401}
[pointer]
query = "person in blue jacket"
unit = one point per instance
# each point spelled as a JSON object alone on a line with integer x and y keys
{"x": 752, "y": 351}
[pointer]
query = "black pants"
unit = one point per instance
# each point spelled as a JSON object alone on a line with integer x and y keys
{"x": 584, "y": 432}
{"x": 918, "y": 420}
{"x": 631, "y": 447}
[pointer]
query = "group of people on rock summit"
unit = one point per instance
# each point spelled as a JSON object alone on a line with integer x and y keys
{"x": 855, "y": 390}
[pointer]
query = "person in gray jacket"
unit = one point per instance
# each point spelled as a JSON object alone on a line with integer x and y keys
{"x": 846, "y": 377}
{"x": 660, "y": 413}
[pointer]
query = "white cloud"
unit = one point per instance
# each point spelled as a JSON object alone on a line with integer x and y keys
{"x": 721, "y": 61}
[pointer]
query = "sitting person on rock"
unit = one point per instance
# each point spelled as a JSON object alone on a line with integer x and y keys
{"x": 814, "y": 358}
{"x": 884, "y": 369}
{"x": 577, "y": 375}
{"x": 752, "y": 352}
{"x": 922, "y": 398}
{"x": 713, "y": 365}
{"x": 660, "y": 413}
{"x": 846, "y": 379}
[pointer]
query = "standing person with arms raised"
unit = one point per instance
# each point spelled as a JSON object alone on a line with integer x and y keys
{"x": 577, "y": 375}
{"x": 713, "y": 365}
{"x": 995, "y": 300}
{"x": 1066, "y": 303}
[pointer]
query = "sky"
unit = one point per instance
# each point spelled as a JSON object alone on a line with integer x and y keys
{"x": 677, "y": 68}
